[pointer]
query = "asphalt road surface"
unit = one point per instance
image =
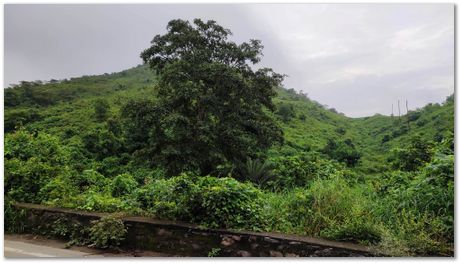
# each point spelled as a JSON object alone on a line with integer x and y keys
{"x": 17, "y": 249}
{"x": 29, "y": 246}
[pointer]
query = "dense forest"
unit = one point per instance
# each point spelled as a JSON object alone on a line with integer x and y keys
{"x": 196, "y": 135}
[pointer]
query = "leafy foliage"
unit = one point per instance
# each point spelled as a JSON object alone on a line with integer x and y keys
{"x": 414, "y": 155}
{"x": 206, "y": 111}
{"x": 343, "y": 151}
{"x": 208, "y": 91}
{"x": 101, "y": 109}
{"x": 286, "y": 112}
{"x": 300, "y": 170}
{"x": 256, "y": 171}
{"x": 30, "y": 162}
{"x": 18, "y": 118}
{"x": 107, "y": 232}
{"x": 123, "y": 184}
{"x": 214, "y": 202}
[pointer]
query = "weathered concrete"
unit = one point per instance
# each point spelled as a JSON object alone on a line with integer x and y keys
{"x": 191, "y": 240}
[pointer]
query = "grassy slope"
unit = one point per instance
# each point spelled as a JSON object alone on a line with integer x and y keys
{"x": 74, "y": 111}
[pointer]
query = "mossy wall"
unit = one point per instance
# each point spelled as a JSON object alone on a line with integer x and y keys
{"x": 189, "y": 240}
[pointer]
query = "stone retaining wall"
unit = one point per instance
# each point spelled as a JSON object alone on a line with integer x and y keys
{"x": 190, "y": 240}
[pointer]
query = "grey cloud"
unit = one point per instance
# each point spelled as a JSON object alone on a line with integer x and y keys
{"x": 357, "y": 58}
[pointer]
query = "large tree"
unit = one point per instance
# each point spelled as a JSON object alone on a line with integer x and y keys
{"x": 212, "y": 105}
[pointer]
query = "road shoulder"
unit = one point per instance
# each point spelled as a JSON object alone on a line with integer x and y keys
{"x": 27, "y": 245}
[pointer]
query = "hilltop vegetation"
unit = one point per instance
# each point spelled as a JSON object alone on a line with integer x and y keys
{"x": 88, "y": 143}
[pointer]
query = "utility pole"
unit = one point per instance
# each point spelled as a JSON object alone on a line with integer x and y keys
{"x": 399, "y": 113}
{"x": 407, "y": 115}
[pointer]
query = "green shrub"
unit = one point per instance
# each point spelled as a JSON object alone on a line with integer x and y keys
{"x": 59, "y": 190}
{"x": 19, "y": 118}
{"x": 69, "y": 229}
{"x": 23, "y": 145}
{"x": 14, "y": 219}
{"x": 146, "y": 175}
{"x": 385, "y": 138}
{"x": 333, "y": 208}
{"x": 360, "y": 227}
{"x": 430, "y": 190}
{"x": 123, "y": 184}
{"x": 413, "y": 234}
{"x": 214, "y": 202}
{"x": 101, "y": 109}
{"x": 286, "y": 112}
{"x": 102, "y": 143}
{"x": 342, "y": 151}
{"x": 89, "y": 179}
{"x": 256, "y": 171}
{"x": 225, "y": 202}
{"x": 299, "y": 170}
{"x": 101, "y": 202}
{"x": 107, "y": 232}
{"x": 31, "y": 161}
{"x": 157, "y": 197}
{"x": 416, "y": 153}
{"x": 111, "y": 166}
{"x": 276, "y": 212}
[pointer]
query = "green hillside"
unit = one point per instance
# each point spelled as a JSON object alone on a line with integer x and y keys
{"x": 380, "y": 180}
{"x": 59, "y": 106}
{"x": 369, "y": 180}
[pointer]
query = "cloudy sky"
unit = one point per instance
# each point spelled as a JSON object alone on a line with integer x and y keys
{"x": 356, "y": 58}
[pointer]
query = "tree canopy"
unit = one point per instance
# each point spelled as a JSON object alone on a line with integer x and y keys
{"x": 212, "y": 106}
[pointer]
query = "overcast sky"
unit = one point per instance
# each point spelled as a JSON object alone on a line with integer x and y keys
{"x": 356, "y": 58}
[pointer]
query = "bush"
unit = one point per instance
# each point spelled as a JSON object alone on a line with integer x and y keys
{"x": 341, "y": 130}
{"x": 159, "y": 198}
{"x": 110, "y": 166}
{"x": 430, "y": 191}
{"x": 107, "y": 232}
{"x": 123, "y": 184}
{"x": 59, "y": 190}
{"x": 333, "y": 208}
{"x": 299, "y": 170}
{"x": 89, "y": 179}
{"x": 12, "y": 97}
{"x": 69, "y": 229}
{"x": 146, "y": 175}
{"x": 413, "y": 156}
{"x": 342, "y": 151}
{"x": 414, "y": 234}
{"x": 101, "y": 202}
{"x": 256, "y": 171}
{"x": 14, "y": 219}
{"x": 19, "y": 118}
{"x": 286, "y": 112}
{"x": 224, "y": 202}
{"x": 102, "y": 143}
{"x": 30, "y": 163}
{"x": 23, "y": 145}
{"x": 214, "y": 202}
{"x": 101, "y": 109}
{"x": 356, "y": 228}
{"x": 299, "y": 207}
{"x": 386, "y": 138}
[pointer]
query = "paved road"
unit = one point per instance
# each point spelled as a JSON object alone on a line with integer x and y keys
{"x": 15, "y": 249}
{"x": 29, "y": 246}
